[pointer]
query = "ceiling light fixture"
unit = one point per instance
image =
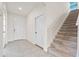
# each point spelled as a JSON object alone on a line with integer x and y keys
{"x": 20, "y": 8}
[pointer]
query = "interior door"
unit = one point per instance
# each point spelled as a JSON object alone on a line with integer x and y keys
{"x": 19, "y": 28}
{"x": 39, "y": 30}
{"x": 1, "y": 30}
{"x": 10, "y": 28}
{"x": 1, "y": 34}
{"x": 16, "y": 27}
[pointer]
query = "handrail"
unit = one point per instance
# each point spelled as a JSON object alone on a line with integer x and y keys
{"x": 77, "y": 24}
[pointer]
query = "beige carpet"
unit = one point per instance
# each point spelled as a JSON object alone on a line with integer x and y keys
{"x": 23, "y": 48}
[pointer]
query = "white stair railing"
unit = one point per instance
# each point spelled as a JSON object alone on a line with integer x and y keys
{"x": 77, "y": 24}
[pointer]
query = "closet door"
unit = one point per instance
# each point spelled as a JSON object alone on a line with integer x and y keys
{"x": 1, "y": 33}
{"x": 10, "y": 27}
{"x": 40, "y": 30}
{"x": 16, "y": 27}
{"x": 1, "y": 30}
{"x": 19, "y": 27}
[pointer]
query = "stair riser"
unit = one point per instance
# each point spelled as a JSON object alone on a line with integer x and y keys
{"x": 66, "y": 30}
{"x": 67, "y": 33}
{"x": 70, "y": 34}
{"x": 72, "y": 17}
{"x": 70, "y": 31}
{"x": 70, "y": 20}
{"x": 65, "y": 27}
{"x": 69, "y": 25}
{"x": 66, "y": 23}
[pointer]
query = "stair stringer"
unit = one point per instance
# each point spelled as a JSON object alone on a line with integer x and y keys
{"x": 54, "y": 33}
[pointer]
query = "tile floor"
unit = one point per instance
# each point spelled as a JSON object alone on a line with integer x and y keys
{"x": 23, "y": 48}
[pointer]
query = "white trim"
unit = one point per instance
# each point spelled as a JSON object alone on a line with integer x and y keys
{"x": 4, "y": 25}
{"x": 77, "y": 24}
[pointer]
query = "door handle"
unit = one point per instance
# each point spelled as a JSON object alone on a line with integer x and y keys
{"x": 35, "y": 32}
{"x": 14, "y": 30}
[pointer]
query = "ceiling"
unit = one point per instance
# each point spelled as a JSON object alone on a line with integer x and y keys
{"x": 21, "y": 8}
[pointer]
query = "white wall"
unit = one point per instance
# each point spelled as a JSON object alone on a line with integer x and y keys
{"x": 18, "y": 23}
{"x": 55, "y": 10}
{"x": 54, "y": 13}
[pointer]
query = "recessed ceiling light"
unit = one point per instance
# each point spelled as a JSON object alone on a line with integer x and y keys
{"x": 20, "y": 8}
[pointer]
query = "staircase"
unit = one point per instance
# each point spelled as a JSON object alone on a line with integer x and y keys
{"x": 65, "y": 42}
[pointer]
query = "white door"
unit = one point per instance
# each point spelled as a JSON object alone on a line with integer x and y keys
{"x": 10, "y": 28}
{"x": 39, "y": 30}
{"x": 19, "y": 28}
{"x": 1, "y": 34}
{"x": 1, "y": 30}
{"x": 16, "y": 27}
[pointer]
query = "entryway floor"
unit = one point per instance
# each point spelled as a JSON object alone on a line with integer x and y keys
{"x": 23, "y": 48}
